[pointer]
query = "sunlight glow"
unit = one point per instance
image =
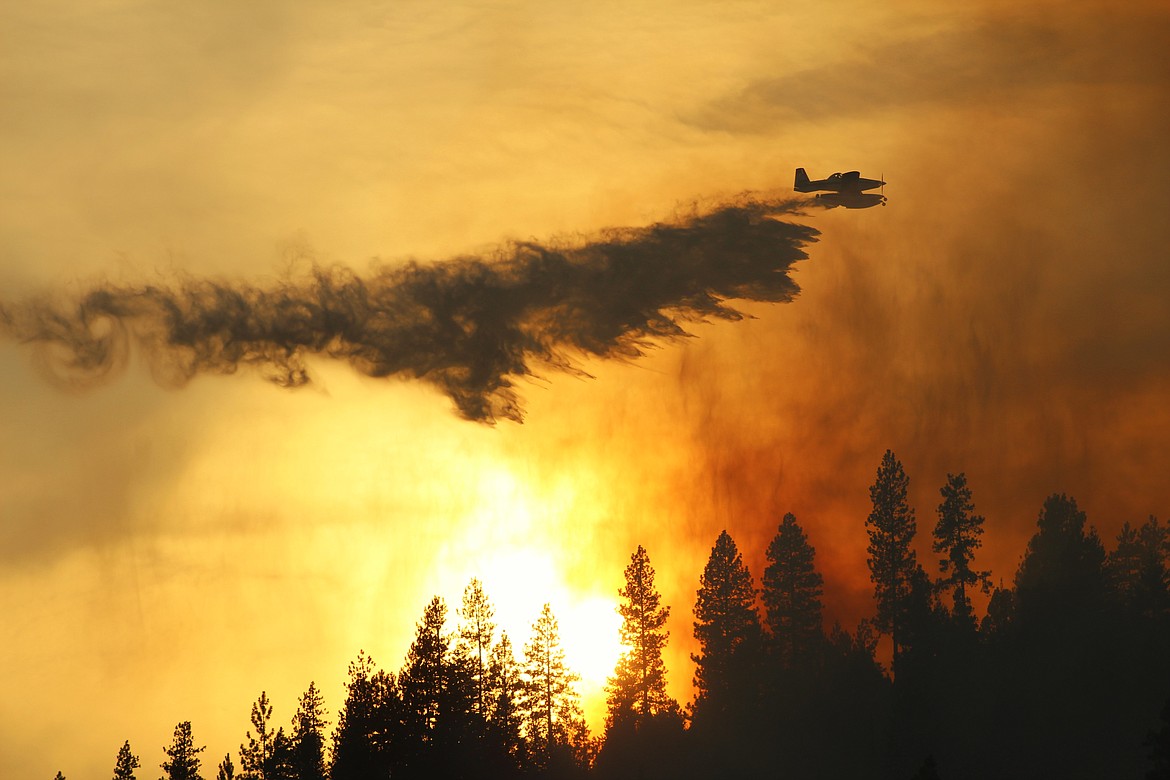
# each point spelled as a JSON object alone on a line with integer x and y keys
{"x": 510, "y": 542}
{"x": 527, "y": 539}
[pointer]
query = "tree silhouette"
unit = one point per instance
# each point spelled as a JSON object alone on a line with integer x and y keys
{"x": 550, "y": 700}
{"x": 1064, "y": 678}
{"x": 423, "y": 678}
{"x": 727, "y": 668}
{"x": 1061, "y": 577}
{"x": 441, "y": 732}
{"x": 256, "y": 757}
{"x": 792, "y": 594}
{"x": 476, "y": 632}
{"x": 307, "y": 757}
{"x": 439, "y": 697}
{"x": 280, "y": 766}
{"x": 637, "y": 689}
{"x": 126, "y": 763}
{"x": 728, "y": 631}
{"x": 1064, "y": 683}
{"x": 1140, "y": 570}
{"x": 1001, "y": 611}
{"x": 505, "y": 691}
{"x": 956, "y": 537}
{"x": 892, "y": 561}
{"x": 183, "y": 756}
{"x": 365, "y": 723}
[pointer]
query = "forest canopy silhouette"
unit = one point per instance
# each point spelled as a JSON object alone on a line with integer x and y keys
{"x": 1067, "y": 674}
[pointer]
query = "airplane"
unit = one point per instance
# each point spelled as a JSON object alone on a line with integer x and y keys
{"x": 849, "y": 181}
{"x": 842, "y": 189}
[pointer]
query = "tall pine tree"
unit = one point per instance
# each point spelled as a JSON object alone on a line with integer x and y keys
{"x": 476, "y": 633}
{"x": 792, "y": 595}
{"x": 126, "y": 763}
{"x": 505, "y": 691}
{"x": 182, "y": 756}
{"x": 308, "y": 737}
{"x": 956, "y": 537}
{"x": 728, "y": 631}
{"x": 1139, "y": 568}
{"x": 439, "y": 698}
{"x": 424, "y": 675}
{"x": 637, "y": 689}
{"x": 1061, "y": 579}
{"x": 550, "y": 699}
{"x": 366, "y": 723}
{"x": 256, "y": 757}
{"x": 892, "y": 561}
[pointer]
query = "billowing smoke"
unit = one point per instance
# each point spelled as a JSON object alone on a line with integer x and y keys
{"x": 469, "y": 325}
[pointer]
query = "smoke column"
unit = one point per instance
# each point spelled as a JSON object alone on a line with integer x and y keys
{"x": 469, "y": 325}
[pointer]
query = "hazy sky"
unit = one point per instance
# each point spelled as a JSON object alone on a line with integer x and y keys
{"x": 167, "y": 554}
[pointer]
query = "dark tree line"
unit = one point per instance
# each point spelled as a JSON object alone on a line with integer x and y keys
{"x": 1066, "y": 675}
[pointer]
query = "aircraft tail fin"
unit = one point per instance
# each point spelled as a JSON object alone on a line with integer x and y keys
{"x": 801, "y": 180}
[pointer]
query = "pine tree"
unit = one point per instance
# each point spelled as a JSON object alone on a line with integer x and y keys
{"x": 637, "y": 689}
{"x": 1061, "y": 579}
{"x": 505, "y": 690}
{"x": 308, "y": 736}
{"x": 792, "y": 594}
{"x": 183, "y": 763}
{"x": 1139, "y": 568}
{"x": 956, "y": 536}
{"x": 1000, "y": 613}
{"x": 366, "y": 723}
{"x": 1085, "y": 657}
{"x": 439, "y": 699}
{"x": 727, "y": 629}
{"x": 1125, "y": 563}
{"x": 422, "y": 678}
{"x": 436, "y": 685}
{"x": 227, "y": 771}
{"x": 256, "y": 757}
{"x": 549, "y": 700}
{"x": 280, "y": 764}
{"x": 1153, "y": 591}
{"x": 475, "y": 637}
{"x": 923, "y": 618}
{"x": 126, "y": 763}
{"x": 892, "y": 561}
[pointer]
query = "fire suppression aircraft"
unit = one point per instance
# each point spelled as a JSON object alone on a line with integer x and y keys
{"x": 842, "y": 189}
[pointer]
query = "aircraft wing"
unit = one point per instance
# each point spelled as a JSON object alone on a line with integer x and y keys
{"x": 850, "y": 182}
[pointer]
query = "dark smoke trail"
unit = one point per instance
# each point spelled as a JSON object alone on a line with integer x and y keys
{"x": 469, "y": 325}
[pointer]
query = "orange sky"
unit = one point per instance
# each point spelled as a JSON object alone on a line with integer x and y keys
{"x": 166, "y": 555}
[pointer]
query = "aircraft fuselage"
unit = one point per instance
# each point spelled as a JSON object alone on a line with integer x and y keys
{"x": 850, "y": 182}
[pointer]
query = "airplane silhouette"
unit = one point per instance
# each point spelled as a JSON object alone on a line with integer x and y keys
{"x": 842, "y": 189}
